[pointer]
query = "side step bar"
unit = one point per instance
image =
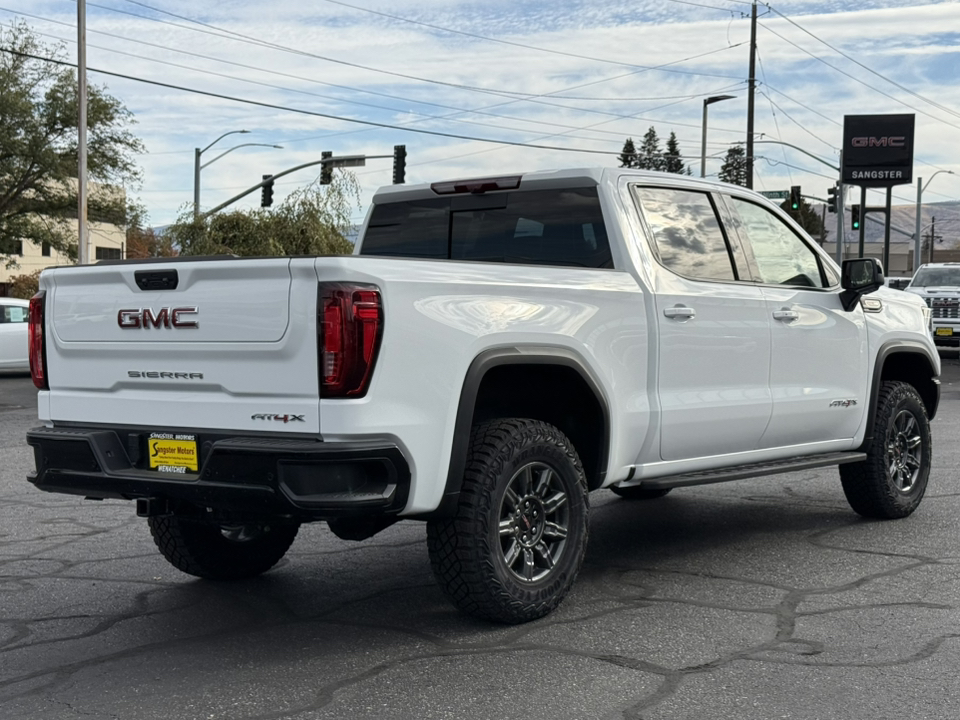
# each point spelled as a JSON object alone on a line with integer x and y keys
{"x": 740, "y": 472}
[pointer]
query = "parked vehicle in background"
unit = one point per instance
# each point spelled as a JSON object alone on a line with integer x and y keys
{"x": 939, "y": 286}
{"x": 13, "y": 334}
{"x": 897, "y": 283}
{"x": 496, "y": 349}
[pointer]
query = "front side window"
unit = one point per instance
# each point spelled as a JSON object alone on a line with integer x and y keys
{"x": 781, "y": 257}
{"x": 687, "y": 233}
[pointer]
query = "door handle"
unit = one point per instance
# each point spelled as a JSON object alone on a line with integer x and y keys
{"x": 679, "y": 313}
{"x": 786, "y": 315}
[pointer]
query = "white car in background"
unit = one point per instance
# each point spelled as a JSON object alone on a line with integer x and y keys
{"x": 13, "y": 334}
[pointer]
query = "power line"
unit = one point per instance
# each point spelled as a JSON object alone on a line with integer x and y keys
{"x": 868, "y": 69}
{"x": 852, "y": 77}
{"x": 798, "y": 124}
{"x": 806, "y": 107}
{"x": 284, "y": 48}
{"x": 425, "y": 118}
{"x": 312, "y": 113}
{"x": 496, "y": 40}
{"x": 776, "y": 123}
{"x": 711, "y": 7}
{"x": 773, "y": 162}
{"x": 479, "y": 111}
{"x": 503, "y": 93}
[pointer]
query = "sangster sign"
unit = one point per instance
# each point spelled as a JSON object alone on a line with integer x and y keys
{"x": 878, "y": 150}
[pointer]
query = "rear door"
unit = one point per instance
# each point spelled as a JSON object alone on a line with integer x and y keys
{"x": 227, "y": 344}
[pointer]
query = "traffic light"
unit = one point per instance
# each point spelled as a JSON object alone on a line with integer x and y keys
{"x": 854, "y": 217}
{"x": 399, "y": 164}
{"x": 795, "y": 197}
{"x": 326, "y": 169}
{"x": 832, "y": 199}
{"x": 266, "y": 192}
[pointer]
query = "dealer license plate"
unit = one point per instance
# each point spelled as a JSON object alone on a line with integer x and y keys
{"x": 172, "y": 452}
{"x": 944, "y": 331}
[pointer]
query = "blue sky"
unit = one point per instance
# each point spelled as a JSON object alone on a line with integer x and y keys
{"x": 581, "y": 76}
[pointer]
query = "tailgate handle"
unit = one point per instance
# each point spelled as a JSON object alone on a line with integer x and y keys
{"x": 156, "y": 279}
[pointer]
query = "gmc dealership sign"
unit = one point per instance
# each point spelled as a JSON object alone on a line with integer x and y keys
{"x": 878, "y": 150}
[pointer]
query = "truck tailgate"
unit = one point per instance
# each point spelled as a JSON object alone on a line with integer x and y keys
{"x": 215, "y": 351}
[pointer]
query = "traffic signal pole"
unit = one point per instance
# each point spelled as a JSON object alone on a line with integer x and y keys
{"x": 841, "y": 201}
{"x": 886, "y": 233}
{"x": 863, "y": 211}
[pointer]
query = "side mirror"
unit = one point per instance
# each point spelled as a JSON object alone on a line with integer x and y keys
{"x": 859, "y": 277}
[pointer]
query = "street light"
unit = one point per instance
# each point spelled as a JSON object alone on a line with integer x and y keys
{"x": 225, "y": 152}
{"x": 196, "y": 170}
{"x": 703, "y": 144}
{"x": 916, "y": 238}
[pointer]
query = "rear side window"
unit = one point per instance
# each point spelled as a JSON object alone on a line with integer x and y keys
{"x": 687, "y": 233}
{"x": 537, "y": 227}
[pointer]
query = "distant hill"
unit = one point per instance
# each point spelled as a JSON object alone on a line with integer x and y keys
{"x": 947, "y": 216}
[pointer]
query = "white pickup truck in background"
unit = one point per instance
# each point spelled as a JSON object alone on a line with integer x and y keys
{"x": 495, "y": 349}
{"x": 939, "y": 286}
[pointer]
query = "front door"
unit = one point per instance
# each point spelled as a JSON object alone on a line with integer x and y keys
{"x": 818, "y": 370}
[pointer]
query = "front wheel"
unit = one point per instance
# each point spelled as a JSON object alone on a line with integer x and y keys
{"x": 891, "y": 482}
{"x": 221, "y": 552}
{"x": 517, "y": 541}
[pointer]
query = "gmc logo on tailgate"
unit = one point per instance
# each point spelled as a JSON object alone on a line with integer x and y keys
{"x": 164, "y": 317}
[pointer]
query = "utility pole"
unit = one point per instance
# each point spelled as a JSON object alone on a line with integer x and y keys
{"x": 751, "y": 92}
{"x": 823, "y": 225}
{"x": 83, "y": 246}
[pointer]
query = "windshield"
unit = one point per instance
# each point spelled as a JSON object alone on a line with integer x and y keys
{"x": 937, "y": 277}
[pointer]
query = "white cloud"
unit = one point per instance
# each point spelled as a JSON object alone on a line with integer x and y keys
{"x": 913, "y": 45}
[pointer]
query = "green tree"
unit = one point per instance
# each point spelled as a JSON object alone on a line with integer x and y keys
{"x": 650, "y": 156}
{"x": 313, "y": 220}
{"x": 807, "y": 217}
{"x": 672, "y": 161}
{"x": 628, "y": 156}
{"x": 38, "y": 148}
{"x": 734, "y": 168}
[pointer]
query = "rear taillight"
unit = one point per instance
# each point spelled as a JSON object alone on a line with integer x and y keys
{"x": 36, "y": 345}
{"x": 351, "y": 324}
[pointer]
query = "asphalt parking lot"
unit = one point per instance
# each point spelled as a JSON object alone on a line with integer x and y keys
{"x": 754, "y": 600}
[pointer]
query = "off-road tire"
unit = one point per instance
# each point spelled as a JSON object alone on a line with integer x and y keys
{"x": 471, "y": 552}
{"x": 637, "y": 492}
{"x": 891, "y": 482}
{"x": 221, "y": 553}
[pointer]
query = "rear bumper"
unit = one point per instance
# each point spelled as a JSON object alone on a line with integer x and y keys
{"x": 248, "y": 476}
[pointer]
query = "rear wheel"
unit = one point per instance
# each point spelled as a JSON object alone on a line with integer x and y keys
{"x": 516, "y": 543}
{"x": 891, "y": 482}
{"x": 221, "y": 552}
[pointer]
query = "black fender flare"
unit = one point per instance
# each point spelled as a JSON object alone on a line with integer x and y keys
{"x": 894, "y": 347}
{"x": 481, "y": 365}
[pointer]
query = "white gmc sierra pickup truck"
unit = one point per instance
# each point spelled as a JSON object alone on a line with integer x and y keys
{"x": 495, "y": 349}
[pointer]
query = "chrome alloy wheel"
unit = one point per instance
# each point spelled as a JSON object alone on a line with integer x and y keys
{"x": 534, "y": 520}
{"x": 904, "y": 449}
